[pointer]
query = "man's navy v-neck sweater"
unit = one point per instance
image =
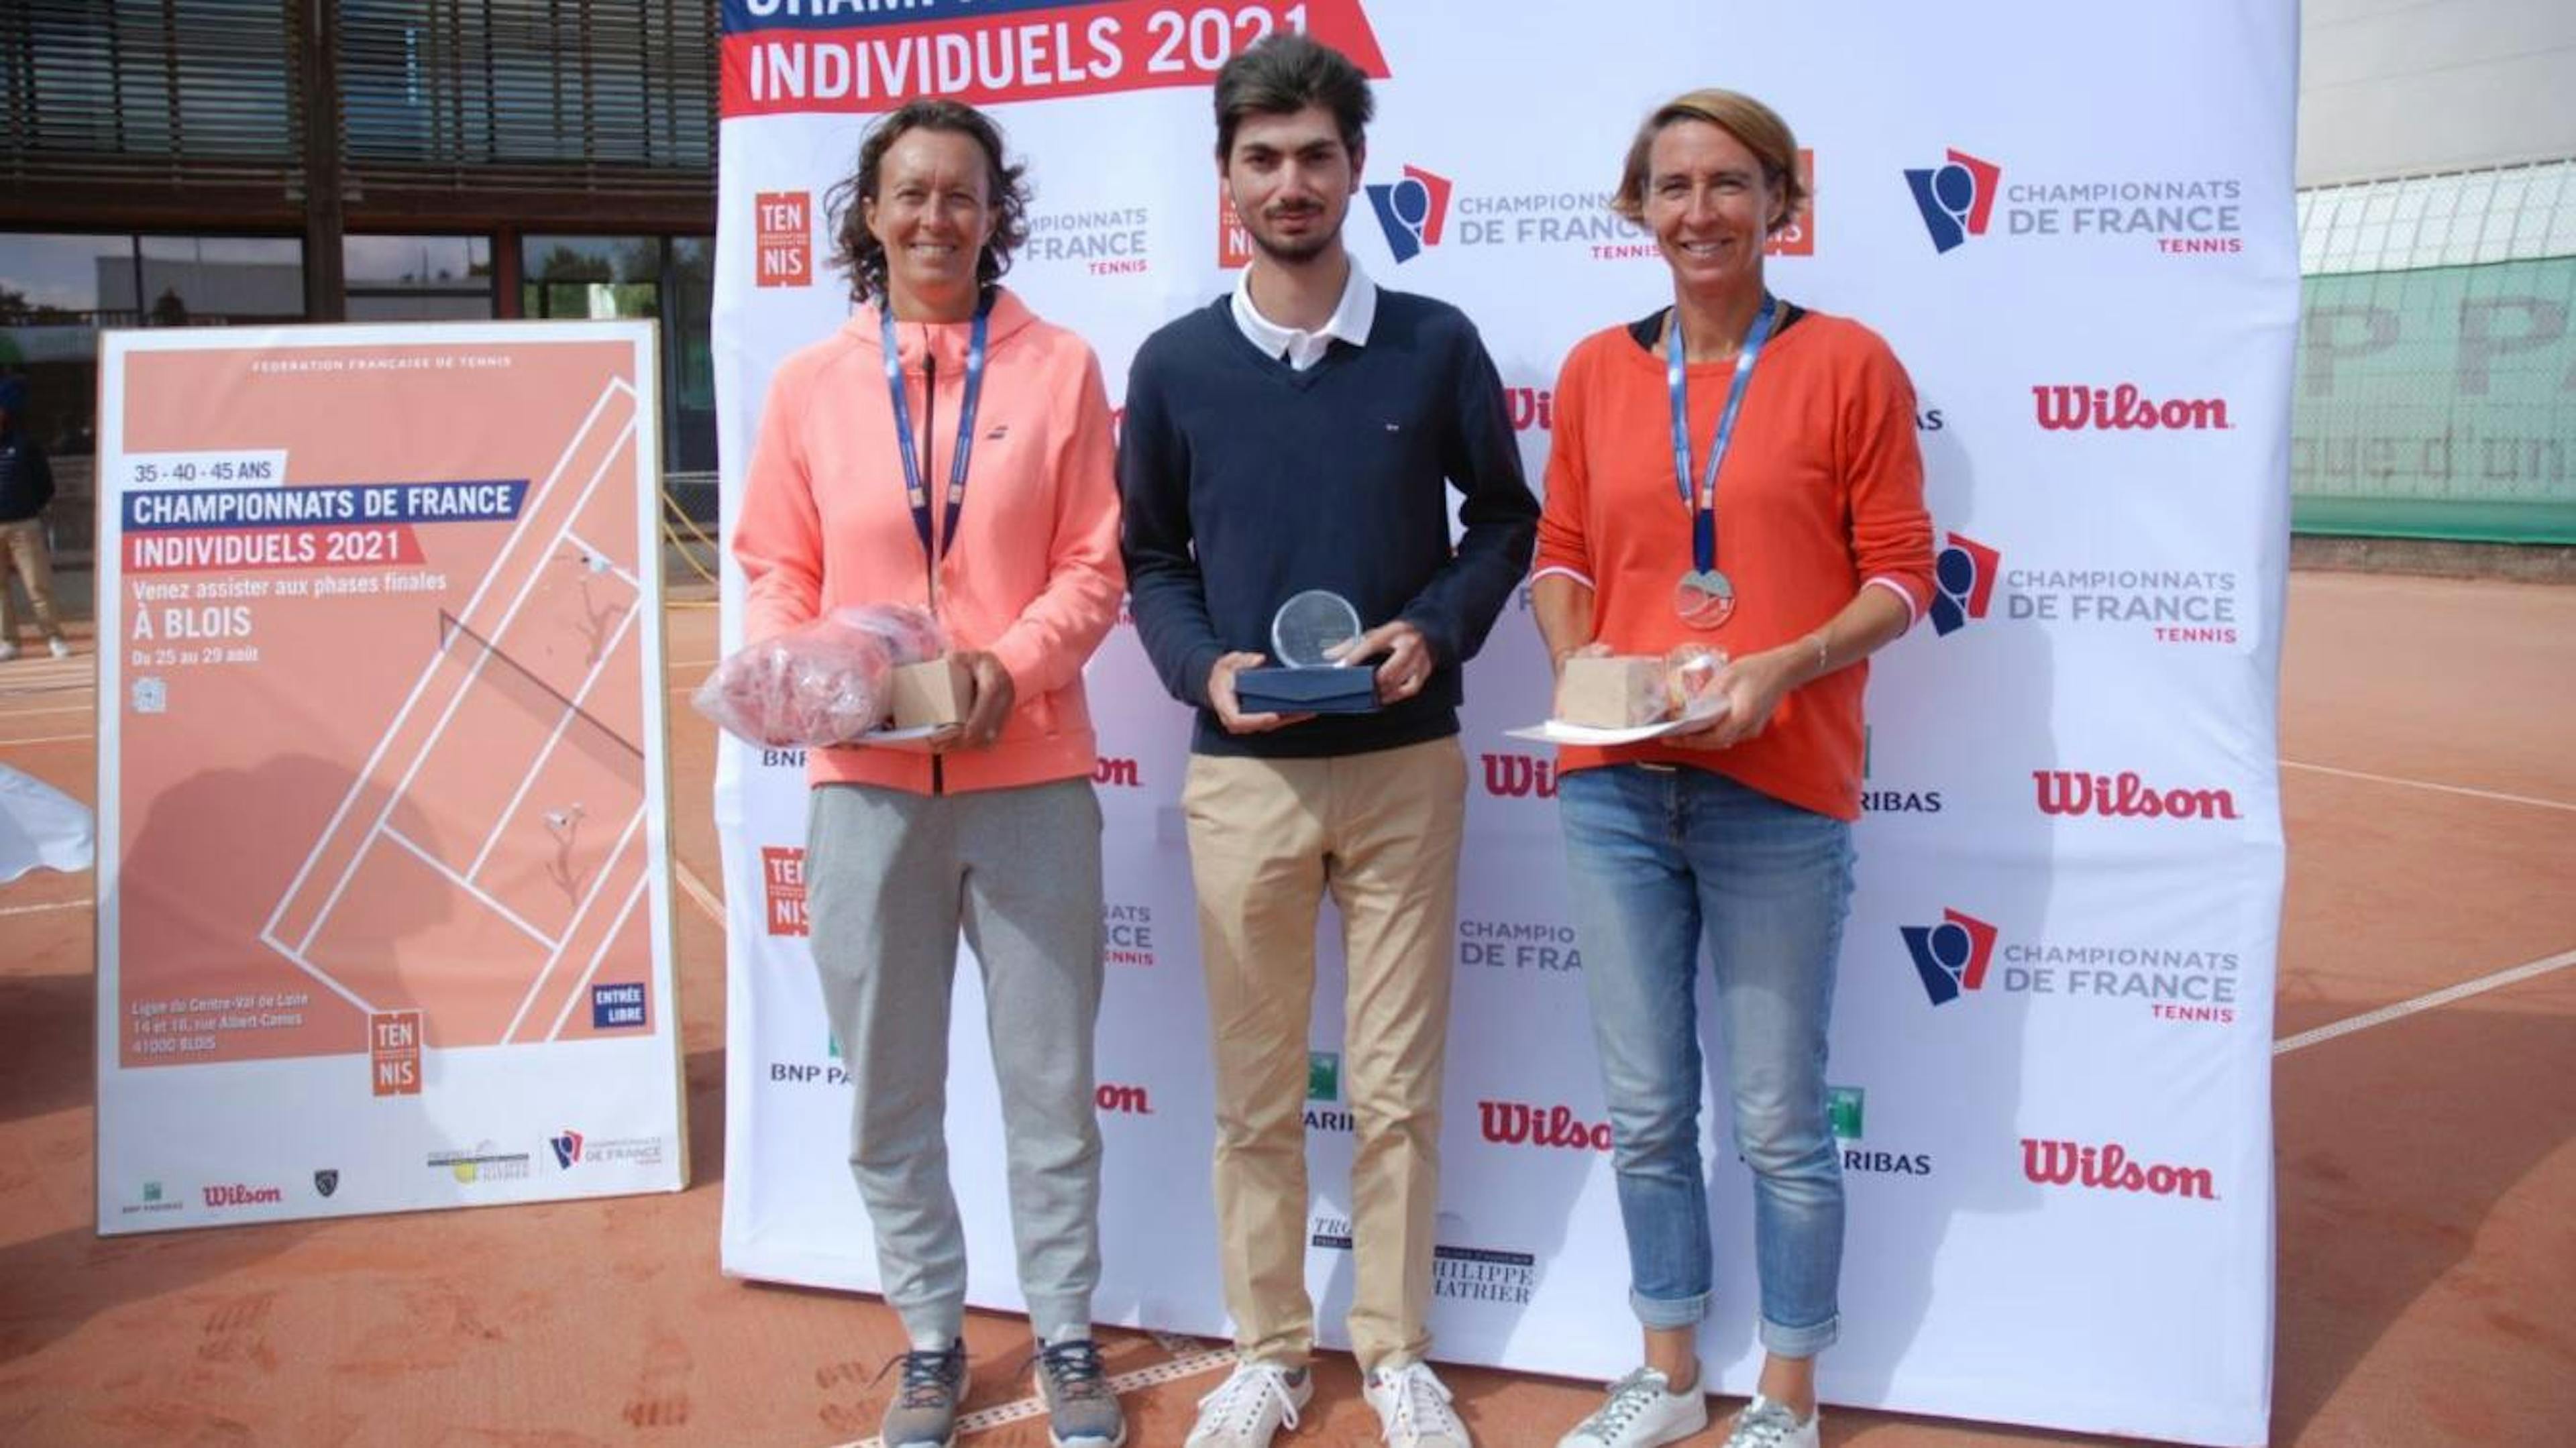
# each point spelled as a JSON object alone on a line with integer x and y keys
{"x": 1246, "y": 481}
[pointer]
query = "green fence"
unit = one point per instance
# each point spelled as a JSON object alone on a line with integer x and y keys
{"x": 2438, "y": 403}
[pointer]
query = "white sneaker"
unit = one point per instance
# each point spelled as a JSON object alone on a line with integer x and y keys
{"x": 1766, "y": 1424}
{"x": 1413, "y": 1407}
{"x": 8, "y": 648}
{"x": 1641, "y": 1412}
{"x": 1250, "y": 1405}
{"x": 61, "y": 648}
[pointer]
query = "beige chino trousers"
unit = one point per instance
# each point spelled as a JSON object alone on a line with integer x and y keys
{"x": 1267, "y": 838}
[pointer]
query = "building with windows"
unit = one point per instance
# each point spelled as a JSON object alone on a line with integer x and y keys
{"x": 231, "y": 162}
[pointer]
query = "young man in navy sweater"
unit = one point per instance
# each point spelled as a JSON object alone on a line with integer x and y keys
{"x": 1302, "y": 434}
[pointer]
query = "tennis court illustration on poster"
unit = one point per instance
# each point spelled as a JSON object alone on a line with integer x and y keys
{"x": 383, "y": 909}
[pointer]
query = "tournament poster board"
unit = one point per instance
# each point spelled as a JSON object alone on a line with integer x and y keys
{"x": 383, "y": 871}
{"x": 2052, "y": 1026}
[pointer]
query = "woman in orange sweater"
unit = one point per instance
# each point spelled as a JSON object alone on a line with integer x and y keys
{"x": 1737, "y": 471}
{"x": 1004, "y": 522}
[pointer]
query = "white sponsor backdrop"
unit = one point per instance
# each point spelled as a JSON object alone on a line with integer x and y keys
{"x": 2117, "y": 599}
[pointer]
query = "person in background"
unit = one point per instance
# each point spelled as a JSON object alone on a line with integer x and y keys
{"x": 1738, "y": 471}
{"x": 26, "y": 487}
{"x": 947, "y": 448}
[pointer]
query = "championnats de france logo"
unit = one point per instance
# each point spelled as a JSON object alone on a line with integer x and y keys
{"x": 1963, "y": 583}
{"x": 567, "y": 1149}
{"x": 1957, "y": 198}
{"x": 1412, "y": 211}
{"x": 1951, "y": 956}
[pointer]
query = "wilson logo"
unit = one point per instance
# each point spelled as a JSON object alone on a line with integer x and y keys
{"x": 2125, "y": 796}
{"x": 1118, "y": 773}
{"x": 1514, "y": 1123}
{"x": 2124, "y": 409}
{"x": 1519, "y": 776}
{"x": 1123, "y": 1100}
{"x": 2109, "y": 1169}
{"x": 1530, "y": 407}
{"x": 237, "y": 1195}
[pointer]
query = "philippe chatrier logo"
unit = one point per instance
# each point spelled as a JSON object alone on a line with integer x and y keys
{"x": 1963, "y": 577}
{"x": 1952, "y": 956}
{"x": 1412, "y": 211}
{"x": 2107, "y": 1168}
{"x": 2124, "y": 408}
{"x": 1957, "y": 198}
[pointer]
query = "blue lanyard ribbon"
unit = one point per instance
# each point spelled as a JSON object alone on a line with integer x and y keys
{"x": 906, "y": 446}
{"x": 1703, "y": 505}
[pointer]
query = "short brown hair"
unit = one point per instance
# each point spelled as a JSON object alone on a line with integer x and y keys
{"x": 857, "y": 253}
{"x": 1749, "y": 121}
{"x": 1284, "y": 73}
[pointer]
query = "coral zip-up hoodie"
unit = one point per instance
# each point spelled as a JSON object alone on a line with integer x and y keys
{"x": 1033, "y": 574}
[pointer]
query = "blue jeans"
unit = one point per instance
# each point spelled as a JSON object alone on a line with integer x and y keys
{"x": 1664, "y": 861}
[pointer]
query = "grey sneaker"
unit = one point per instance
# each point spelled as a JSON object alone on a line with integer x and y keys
{"x": 1081, "y": 1410}
{"x": 1766, "y": 1424}
{"x": 924, "y": 1411}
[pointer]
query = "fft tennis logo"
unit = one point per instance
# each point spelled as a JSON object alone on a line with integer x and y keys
{"x": 1964, "y": 954}
{"x": 1413, "y": 212}
{"x": 2188, "y": 216}
{"x": 1951, "y": 956}
{"x": 782, "y": 874}
{"x": 783, "y": 238}
{"x": 1963, "y": 583}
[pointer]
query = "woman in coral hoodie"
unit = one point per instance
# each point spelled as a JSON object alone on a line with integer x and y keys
{"x": 947, "y": 448}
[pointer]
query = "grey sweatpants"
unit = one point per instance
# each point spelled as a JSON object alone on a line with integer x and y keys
{"x": 890, "y": 878}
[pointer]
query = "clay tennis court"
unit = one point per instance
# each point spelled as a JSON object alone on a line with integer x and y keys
{"x": 2425, "y": 1103}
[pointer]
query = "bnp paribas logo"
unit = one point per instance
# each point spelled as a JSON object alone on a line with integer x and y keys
{"x": 1844, "y": 1108}
{"x": 1323, "y": 1076}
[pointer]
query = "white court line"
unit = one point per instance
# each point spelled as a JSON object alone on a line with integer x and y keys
{"x": 572, "y": 927}
{"x": 571, "y": 712}
{"x": 48, "y": 905}
{"x": 518, "y": 533}
{"x": 49, "y": 739}
{"x": 2428, "y": 784}
{"x": 2402, "y": 1009}
{"x": 1026, "y": 1408}
{"x": 32, "y": 713}
{"x": 602, "y": 555}
{"x": 474, "y": 671}
{"x": 606, "y": 939}
{"x": 296, "y": 959}
{"x": 461, "y": 883}
{"x": 696, "y": 889}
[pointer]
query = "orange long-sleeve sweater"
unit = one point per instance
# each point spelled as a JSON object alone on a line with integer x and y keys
{"x": 1033, "y": 574}
{"x": 1821, "y": 496}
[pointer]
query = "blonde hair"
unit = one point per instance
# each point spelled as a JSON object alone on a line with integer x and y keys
{"x": 1756, "y": 125}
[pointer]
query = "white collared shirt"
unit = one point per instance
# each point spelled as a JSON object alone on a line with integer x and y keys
{"x": 1349, "y": 322}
